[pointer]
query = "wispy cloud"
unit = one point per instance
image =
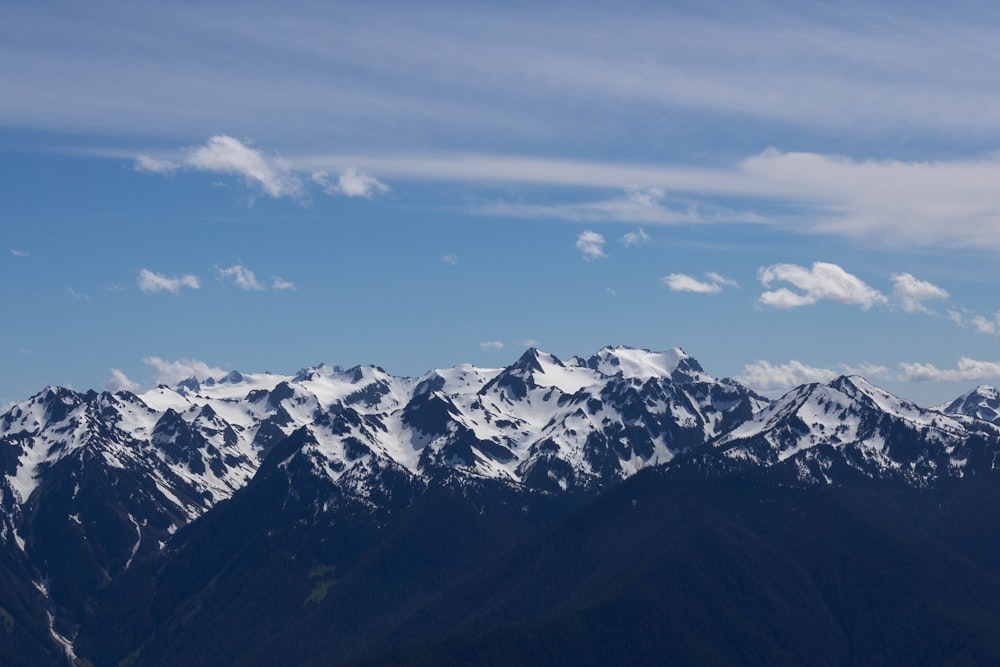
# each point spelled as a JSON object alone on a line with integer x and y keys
{"x": 77, "y": 296}
{"x": 823, "y": 281}
{"x": 636, "y": 238}
{"x": 148, "y": 282}
{"x": 240, "y": 276}
{"x": 681, "y": 282}
{"x": 20, "y": 253}
{"x": 784, "y": 65}
{"x": 591, "y": 245}
{"x": 172, "y": 372}
{"x": 280, "y": 284}
{"x": 450, "y": 259}
{"x": 492, "y": 345}
{"x": 986, "y": 325}
{"x": 154, "y": 165}
{"x": 893, "y": 203}
{"x": 351, "y": 182}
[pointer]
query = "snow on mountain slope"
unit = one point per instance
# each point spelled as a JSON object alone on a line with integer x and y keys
{"x": 540, "y": 421}
{"x": 983, "y": 402}
{"x": 852, "y": 423}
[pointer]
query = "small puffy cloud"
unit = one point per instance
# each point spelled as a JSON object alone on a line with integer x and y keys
{"x": 822, "y": 281}
{"x": 351, "y": 182}
{"x": 172, "y": 372}
{"x": 591, "y": 245}
{"x": 119, "y": 382}
{"x": 492, "y": 345}
{"x": 985, "y": 325}
{"x": 530, "y": 342}
{"x": 681, "y": 282}
{"x": 636, "y": 238}
{"x": 154, "y": 165}
{"x": 966, "y": 370}
{"x": 241, "y": 276}
{"x": 226, "y": 155}
{"x": 912, "y": 293}
{"x": 279, "y": 283}
{"x": 20, "y": 253}
{"x": 149, "y": 281}
{"x": 450, "y": 259}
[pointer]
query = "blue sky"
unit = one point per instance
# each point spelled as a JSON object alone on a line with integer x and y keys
{"x": 788, "y": 191}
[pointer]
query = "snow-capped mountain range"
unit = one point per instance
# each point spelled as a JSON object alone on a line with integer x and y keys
{"x": 540, "y": 423}
{"x": 92, "y": 482}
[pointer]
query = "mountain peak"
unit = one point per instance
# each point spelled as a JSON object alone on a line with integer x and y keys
{"x": 983, "y": 402}
{"x": 633, "y": 362}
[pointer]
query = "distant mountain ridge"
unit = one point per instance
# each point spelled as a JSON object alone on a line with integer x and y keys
{"x": 94, "y": 483}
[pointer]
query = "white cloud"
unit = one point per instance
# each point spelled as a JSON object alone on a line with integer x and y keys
{"x": 226, "y": 155}
{"x": 966, "y": 370}
{"x": 889, "y": 202}
{"x": 155, "y": 165}
{"x": 351, "y": 182}
{"x": 492, "y": 345}
{"x": 911, "y": 293}
{"x": 985, "y": 325}
{"x": 680, "y": 282}
{"x": 642, "y": 205}
{"x": 530, "y": 342}
{"x": 279, "y": 283}
{"x": 450, "y": 259}
{"x": 636, "y": 238}
{"x": 719, "y": 279}
{"x": 20, "y": 253}
{"x": 765, "y": 376}
{"x": 821, "y": 282}
{"x": 591, "y": 245}
{"x": 149, "y": 281}
{"x": 172, "y": 372}
{"x": 241, "y": 276}
{"x": 119, "y": 382}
